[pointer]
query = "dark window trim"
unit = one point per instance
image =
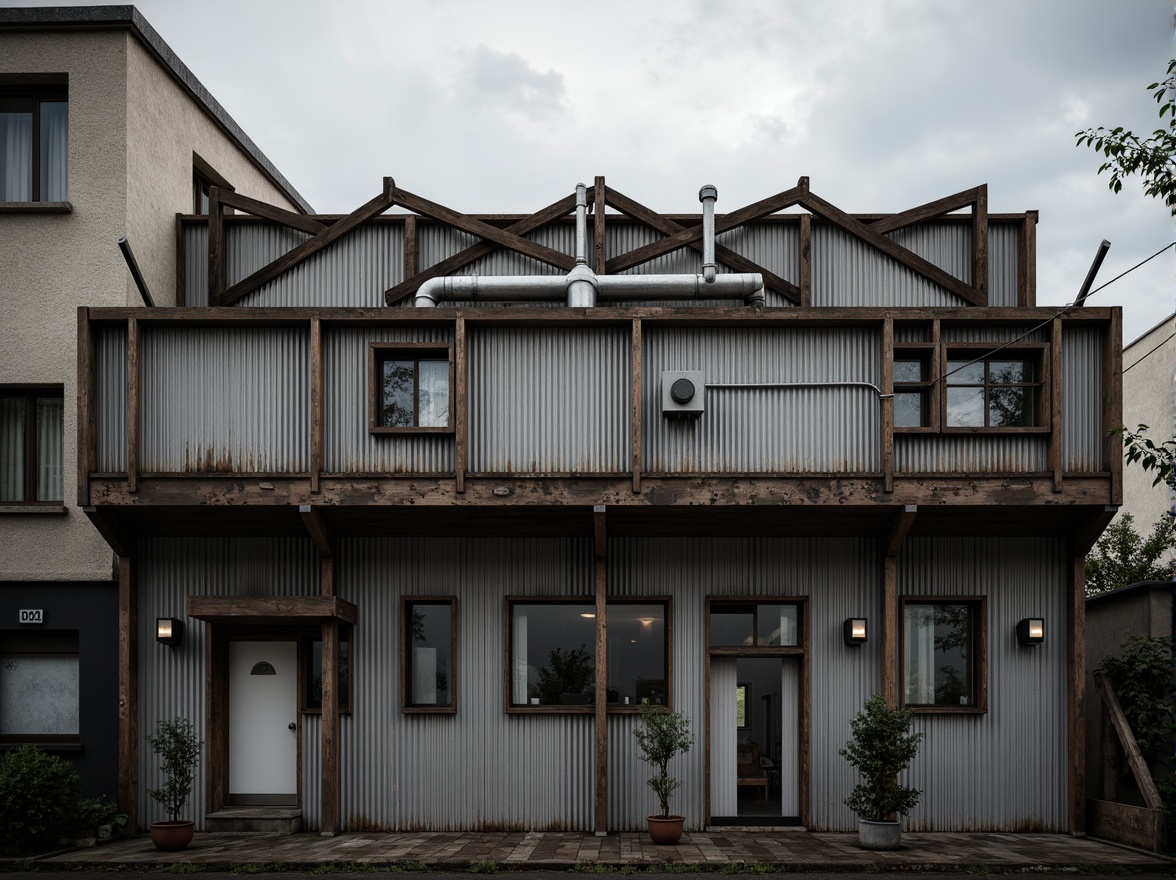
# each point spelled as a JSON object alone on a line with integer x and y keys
{"x": 980, "y": 662}
{"x": 926, "y": 352}
{"x": 30, "y": 393}
{"x": 1036, "y": 351}
{"x": 378, "y": 352}
{"x": 405, "y": 706}
{"x": 510, "y": 601}
{"x": 720, "y": 602}
{"x": 38, "y": 93}
{"x": 746, "y": 725}
{"x": 203, "y": 177}
{"x": 306, "y": 644}
{"x": 31, "y": 643}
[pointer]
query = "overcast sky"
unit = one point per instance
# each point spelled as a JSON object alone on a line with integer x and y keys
{"x": 495, "y": 107}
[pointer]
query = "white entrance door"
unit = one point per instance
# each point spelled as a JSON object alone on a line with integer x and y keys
{"x": 263, "y": 741}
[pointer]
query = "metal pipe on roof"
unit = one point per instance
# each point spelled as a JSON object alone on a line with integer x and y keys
{"x": 133, "y": 265}
{"x": 708, "y": 195}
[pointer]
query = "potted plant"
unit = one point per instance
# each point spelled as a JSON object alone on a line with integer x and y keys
{"x": 94, "y": 819}
{"x": 661, "y": 736}
{"x": 178, "y": 749}
{"x": 882, "y": 746}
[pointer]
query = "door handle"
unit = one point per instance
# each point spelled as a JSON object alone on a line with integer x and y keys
{"x": 292, "y": 726}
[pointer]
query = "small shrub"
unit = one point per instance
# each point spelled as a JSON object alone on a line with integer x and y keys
{"x": 882, "y": 746}
{"x": 38, "y": 799}
{"x": 175, "y": 743}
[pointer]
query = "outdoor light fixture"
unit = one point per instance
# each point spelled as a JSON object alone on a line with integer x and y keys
{"x": 855, "y": 631}
{"x": 1031, "y": 631}
{"x": 169, "y": 631}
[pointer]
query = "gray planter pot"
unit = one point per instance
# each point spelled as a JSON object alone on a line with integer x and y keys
{"x": 879, "y": 835}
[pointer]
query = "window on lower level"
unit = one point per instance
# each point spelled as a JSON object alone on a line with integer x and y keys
{"x": 31, "y": 431}
{"x": 409, "y": 388}
{"x": 1002, "y": 390}
{"x": 312, "y": 686}
{"x": 34, "y": 143}
{"x": 428, "y": 634}
{"x": 944, "y": 654}
{"x": 39, "y": 687}
{"x": 754, "y": 625}
{"x": 553, "y": 654}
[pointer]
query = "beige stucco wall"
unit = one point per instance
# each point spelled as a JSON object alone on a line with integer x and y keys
{"x": 130, "y": 172}
{"x": 1149, "y": 398}
{"x": 52, "y": 263}
{"x": 165, "y": 126}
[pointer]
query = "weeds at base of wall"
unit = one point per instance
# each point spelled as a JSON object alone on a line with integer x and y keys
{"x": 487, "y": 866}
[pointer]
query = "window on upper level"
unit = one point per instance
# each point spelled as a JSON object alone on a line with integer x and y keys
{"x": 34, "y": 143}
{"x": 204, "y": 177}
{"x": 409, "y": 388}
{"x": 31, "y": 431}
{"x": 999, "y": 391}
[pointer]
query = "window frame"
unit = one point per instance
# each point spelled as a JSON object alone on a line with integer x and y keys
{"x": 978, "y": 662}
{"x": 39, "y": 93}
{"x": 1028, "y": 351}
{"x": 406, "y": 707}
{"x": 306, "y": 672}
{"x": 56, "y": 638}
{"x": 925, "y": 352}
{"x": 378, "y": 353}
{"x": 30, "y": 393}
{"x": 714, "y": 603}
{"x": 745, "y": 686}
{"x": 588, "y": 709}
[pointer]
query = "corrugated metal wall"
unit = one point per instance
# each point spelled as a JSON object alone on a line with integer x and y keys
{"x": 349, "y": 447}
{"x": 1082, "y": 393}
{"x": 225, "y": 400}
{"x": 1004, "y": 770}
{"x": 849, "y": 272}
{"x": 817, "y": 430}
{"x": 110, "y": 343}
{"x": 970, "y": 453}
{"x": 171, "y": 679}
{"x": 1004, "y": 258}
{"x": 549, "y": 400}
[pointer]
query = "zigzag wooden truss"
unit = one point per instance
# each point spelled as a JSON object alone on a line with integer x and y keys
{"x": 677, "y": 235}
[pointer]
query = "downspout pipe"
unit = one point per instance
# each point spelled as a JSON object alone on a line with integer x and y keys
{"x": 581, "y": 281}
{"x": 708, "y": 195}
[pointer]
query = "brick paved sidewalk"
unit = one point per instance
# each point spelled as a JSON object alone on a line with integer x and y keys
{"x": 709, "y": 851}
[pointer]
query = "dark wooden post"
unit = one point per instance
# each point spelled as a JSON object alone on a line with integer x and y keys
{"x": 598, "y": 239}
{"x": 1054, "y": 462}
{"x": 316, "y": 405}
{"x": 329, "y": 825}
{"x": 887, "y": 414}
{"x": 459, "y": 405}
{"x": 1076, "y": 694}
{"x": 601, "y": 717}
{"x": 128, "y": 691}
{"x": 806, "y": 260}
{"x": 635, "y": 403}
{"x": 133, "y": 373}
{"x": 87, "y": 411}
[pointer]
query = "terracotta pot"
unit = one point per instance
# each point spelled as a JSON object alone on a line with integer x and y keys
{"x": 879, "y": 835}
{"x": 171, "y": 836}
{"x": 665, "y": 830}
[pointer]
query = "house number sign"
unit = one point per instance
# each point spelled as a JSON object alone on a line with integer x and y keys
{"x": 32, "y": 615}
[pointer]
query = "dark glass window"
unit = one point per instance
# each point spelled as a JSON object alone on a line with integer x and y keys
{"x": 754, "y": 625}
{"x": 912, "y": 407}
{"x": 34, "y": 144}
{"x": 410, "y": 388}
{"x": 636, "y": 654}
{"x": 429, "y": 659}
{"x": 31, "y": 431}
{"x": 995, "y": 392}
{"x": 941, "y": 654}
{"x": 313, "y": 687}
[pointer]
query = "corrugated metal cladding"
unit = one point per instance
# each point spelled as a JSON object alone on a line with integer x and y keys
{"x": 1004, "y": 770}
{"x": 171, "y": 680}
{"x": 996, "y": 335}
{"x": 225, "y": 400}
{"x": 111, "y": 345}
{"x": 812, "y": 430}
{"x": 1004, "y": 256}
{"x": 348, "y": 445}
{"x": 196, "y": 265}
{"x": 970, "y": 453}
{"x": 549, "y": 400}
{"x": 948, "y": 245}
{"x": 1082, "y": 391}
{"x": 840, "y": 578}
{"x": 480, "y": 768}
{"x": 849, "y": 272}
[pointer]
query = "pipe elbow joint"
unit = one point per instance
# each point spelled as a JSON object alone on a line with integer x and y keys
{"x": 709, "y": 273}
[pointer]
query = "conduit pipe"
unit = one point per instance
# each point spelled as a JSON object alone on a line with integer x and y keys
{"x": 581, "y": 287}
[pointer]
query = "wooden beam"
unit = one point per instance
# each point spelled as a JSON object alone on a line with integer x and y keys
{"x": 931, "y": 210}
{"x": 121, "y": 541}
{"x": 128, "y": 691}
{"x": 460, "y": 260}
{"x": 1113, "y": 403}
{"x": 460, "y": 405}
{"x": 216, "y": 248}
{"x": 133, "y": 420}
{"x": 806, "y": 260}
{"x": 725, "y": 255}
{"x": 1135, "y": 759}
{"x": 900, "y": 526}
{"x": 893, "y": 250}
{"x": 1076, "y": 696}
{"x": 889, "y": 630}
{"x": 317, "y": 439}
{"x": 1054, "y": 388}
{"x": 270, "y": 609}
{"x": 1124, "y": 823}
{"x": 411, "y": 259}
{"x": 311, "y": 246}
{"x": 599, "y": 252}
{"x": 87, "y": 406}
{"x": 635, "y": 403}
{"x": 181, "y": 264}
{"x": 321, "y": 534}
{"x": 329, "y": 792}
{"x": 601, "y": 708}
{"x": 1110, "y": 762}
{"x": 687, "y": 236}
{"x": 271, "y": 212}
{"x": 887, "y": 405}
{"x": 1027, "y": 262}
{"x": 980, "y": 242}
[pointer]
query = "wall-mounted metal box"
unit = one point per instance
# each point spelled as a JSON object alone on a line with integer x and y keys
{"x": 683, "y": 394}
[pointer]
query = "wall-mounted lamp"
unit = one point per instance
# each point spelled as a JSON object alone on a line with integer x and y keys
{"x": 855, "y": 631}
{"x": 1031, "y": 631}
{"x": 169, "y": 631}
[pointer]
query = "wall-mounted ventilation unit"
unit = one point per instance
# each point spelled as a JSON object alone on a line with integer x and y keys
{"x": 683, "y": 394}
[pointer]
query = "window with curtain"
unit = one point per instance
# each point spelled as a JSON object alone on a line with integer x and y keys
{"x": 31, "y": 430}
{"x": 409, "y": 388}
{"x": 34, "y": 144}
{"x": 943, "y": 654}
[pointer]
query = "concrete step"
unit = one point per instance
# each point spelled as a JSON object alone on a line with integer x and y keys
{"x": 254, "y": 820}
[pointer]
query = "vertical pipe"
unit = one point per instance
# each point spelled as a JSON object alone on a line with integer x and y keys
{"x": 581, "y": 225}
{"x": 708, "y": 195}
